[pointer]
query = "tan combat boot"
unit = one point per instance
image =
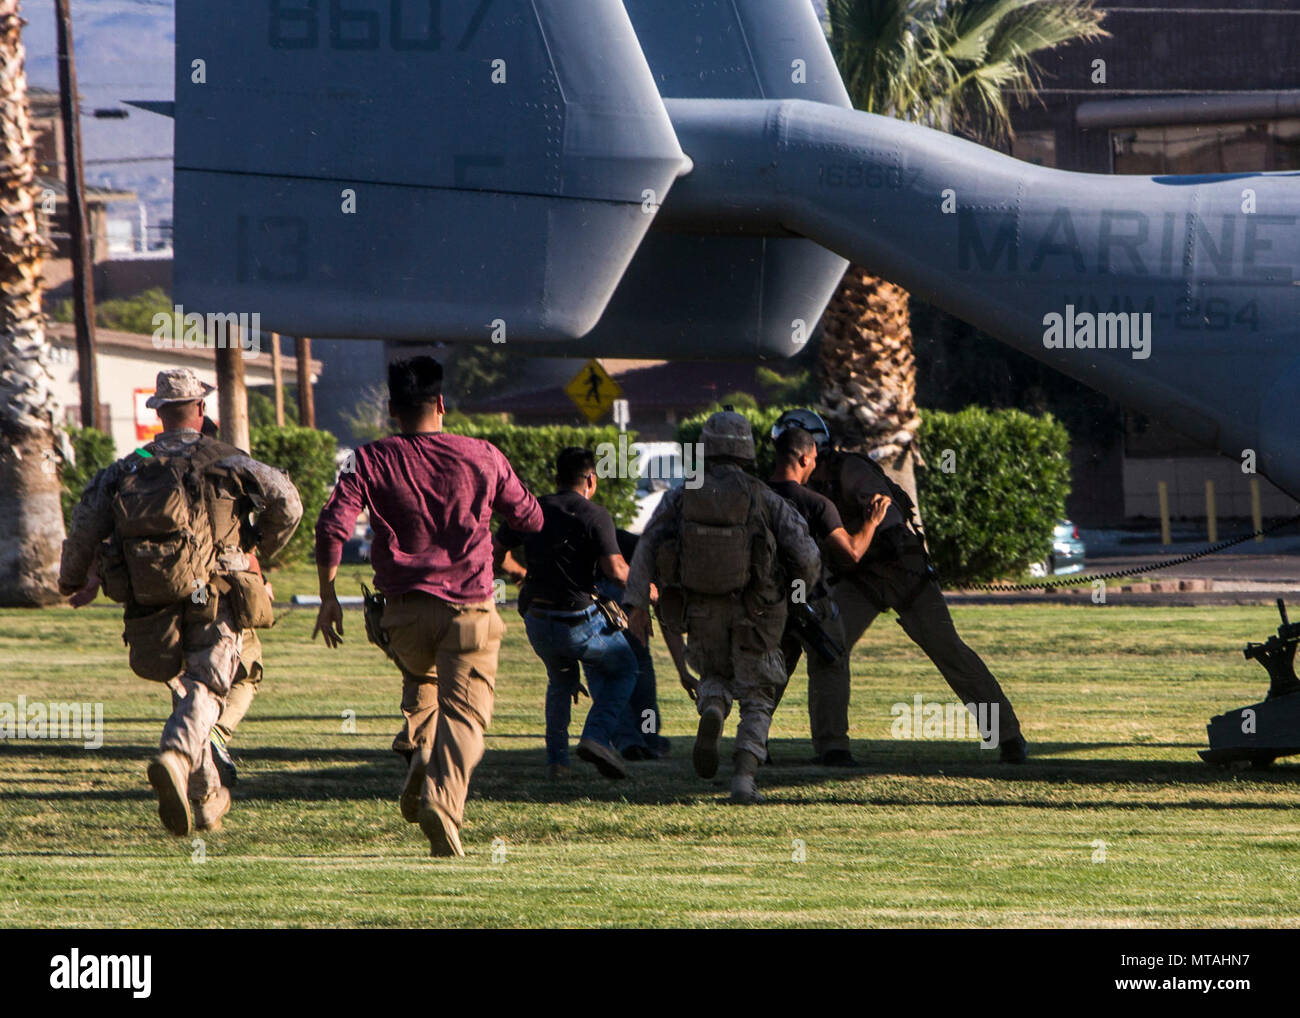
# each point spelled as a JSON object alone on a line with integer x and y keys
{"x": 414, "y": 787}
{"x": 444, "y": 839}
{"x": 705, "y": 754}
{"x": 208, "y": 813}
{"x": 169, "y": 773}
{"x": 743, "y": 789}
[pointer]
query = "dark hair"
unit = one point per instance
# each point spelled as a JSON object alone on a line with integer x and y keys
{"x": 572, "y": 465}
{"x": 793, "y": 443}
{"x": 414, "y": 383}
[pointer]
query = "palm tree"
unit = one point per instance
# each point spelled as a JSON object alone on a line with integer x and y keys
{"x": 29, "y": 480}
{"x": 950, "y": 65}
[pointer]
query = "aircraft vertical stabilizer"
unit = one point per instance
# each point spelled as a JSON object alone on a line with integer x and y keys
{"x": 413, "y": 169}
{"x": 692, "y": 291}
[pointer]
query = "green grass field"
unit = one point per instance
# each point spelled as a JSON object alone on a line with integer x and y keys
{"x": 928, "y": 833}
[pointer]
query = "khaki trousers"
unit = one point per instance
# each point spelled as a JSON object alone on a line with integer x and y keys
{"x": 211, "y": 647}
{"x": 448, "y": 653}
{"x": 247, "y": 684}
{"x": 731, "y": 656}
{"x": 828, "y": 682}
{"x": 929, "y": 624}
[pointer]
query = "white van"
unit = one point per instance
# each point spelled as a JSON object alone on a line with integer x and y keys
{"x": 659, "y": 469}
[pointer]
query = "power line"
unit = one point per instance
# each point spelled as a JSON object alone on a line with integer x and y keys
{"x": 129, "y": 159}
{"x": 139, "y": 3}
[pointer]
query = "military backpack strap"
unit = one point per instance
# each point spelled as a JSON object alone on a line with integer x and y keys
{"x": 207, "y": 454}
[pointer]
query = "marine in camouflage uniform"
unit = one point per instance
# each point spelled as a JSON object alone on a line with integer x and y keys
{"x": 247, "y": 684}
{"x": 726, "y": 553}
{"x": 210, "y": 641}
{"x": 248, "y": 679}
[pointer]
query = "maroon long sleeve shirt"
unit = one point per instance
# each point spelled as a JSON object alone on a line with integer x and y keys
{"x": 430, "y": 498}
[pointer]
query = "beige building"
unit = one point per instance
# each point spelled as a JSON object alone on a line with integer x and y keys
{"x": 128, "y": 365}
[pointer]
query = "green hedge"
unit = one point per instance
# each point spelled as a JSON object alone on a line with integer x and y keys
{"x": 94, "y": 451}
{"x": 991, "y": 512}
{"x": 532, "y": 450}
{"x": 126, "y": 314}
{"x": 309, "y": 457}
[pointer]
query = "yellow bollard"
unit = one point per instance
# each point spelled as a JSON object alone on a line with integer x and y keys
{"x": 1211, "y": 518}
{"x": 1162, "y": 489}
{"x": 1256, "y": 509}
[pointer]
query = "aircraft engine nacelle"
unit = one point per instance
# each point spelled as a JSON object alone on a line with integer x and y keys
{"x": 434, "y": 169}
{"x": 414, "y": 169}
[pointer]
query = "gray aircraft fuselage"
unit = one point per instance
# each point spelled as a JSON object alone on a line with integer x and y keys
{"x": 1176, "y": 295}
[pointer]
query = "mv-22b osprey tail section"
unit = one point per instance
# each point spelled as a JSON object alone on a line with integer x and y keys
{"x": 505, "y": 157}
{"x": 414, "y": 169}
{"x": 685, "y": 178}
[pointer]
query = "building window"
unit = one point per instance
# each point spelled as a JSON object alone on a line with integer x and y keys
{"x": 1207, "y": 148}
{"x": 1037, "y": 147}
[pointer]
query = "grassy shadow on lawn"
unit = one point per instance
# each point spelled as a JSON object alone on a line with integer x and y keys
{"x": 322, "y": 774}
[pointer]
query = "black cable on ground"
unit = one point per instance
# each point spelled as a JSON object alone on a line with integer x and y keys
{"x": 1075, "y": 581}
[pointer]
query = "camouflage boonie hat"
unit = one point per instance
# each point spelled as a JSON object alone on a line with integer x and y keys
{"x": 727, "y": 433}
{"x": 177, "y": 385}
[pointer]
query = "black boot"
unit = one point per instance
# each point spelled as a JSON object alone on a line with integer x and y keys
{"x": 1014, "y": 751}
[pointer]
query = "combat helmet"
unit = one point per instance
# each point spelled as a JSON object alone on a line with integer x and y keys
{"x": 810, "y": 421}
{"x": 728, "y": 433}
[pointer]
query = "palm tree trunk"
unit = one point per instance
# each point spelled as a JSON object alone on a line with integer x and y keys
{"x": 867, "y": 374}
{"x": 31, "y": 538}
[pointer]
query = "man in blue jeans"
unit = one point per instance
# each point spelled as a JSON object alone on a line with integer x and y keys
{"x": 565, "y": 625}
{"x": 638, "y": 734}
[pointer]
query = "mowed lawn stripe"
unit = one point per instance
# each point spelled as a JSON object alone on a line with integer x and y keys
{"x": 928, "y": 833}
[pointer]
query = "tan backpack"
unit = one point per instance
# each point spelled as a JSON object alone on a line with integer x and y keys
{"x": 171, "y": 513}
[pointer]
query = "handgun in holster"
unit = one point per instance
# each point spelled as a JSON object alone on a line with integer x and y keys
{"x": 373, "y": 612}
{"x": 813, "y": 634}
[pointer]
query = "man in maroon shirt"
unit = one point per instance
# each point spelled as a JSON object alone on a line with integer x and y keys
{"x": 430, "y": 496}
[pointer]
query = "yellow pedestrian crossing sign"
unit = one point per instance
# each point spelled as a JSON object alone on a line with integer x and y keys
{"x": 593, "y": 390}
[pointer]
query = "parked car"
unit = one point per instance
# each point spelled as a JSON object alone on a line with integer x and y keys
{"x": 659, "y": 469}
{"x": 1066, "y": 555}
{"x": 357, "y": 547}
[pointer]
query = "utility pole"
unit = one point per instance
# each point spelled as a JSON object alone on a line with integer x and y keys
{"x": 277, "y": 377}
{"x": 83, "y": 291}
{"x": 306, "y": 402}
{"x": 232, "y": 397}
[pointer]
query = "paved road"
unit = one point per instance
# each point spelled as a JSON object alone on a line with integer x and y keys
{"x": 1227, "y": 565}
{"x": 1250, "y": 573}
